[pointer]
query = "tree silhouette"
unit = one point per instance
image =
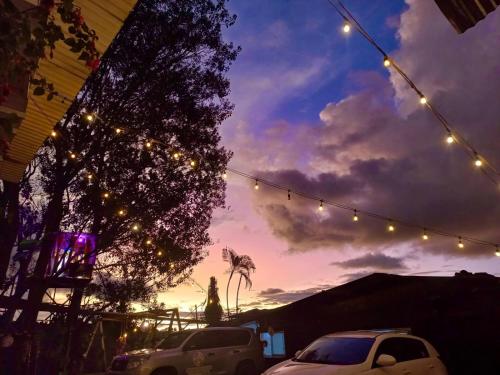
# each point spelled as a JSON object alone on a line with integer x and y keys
{"x": 241, "y": 264}
{"x": 213, "y": 310}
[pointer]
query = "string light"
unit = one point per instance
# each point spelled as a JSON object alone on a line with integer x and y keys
{"x": 148, "y": 144}
{"x": 135, "y": 227}
{"x": 391, "y": 227}
{"x": 149, "y": 242}
{"x": 121, "y": 212}
{"x": 89, "y": 117}
{"x": 224, "y": 176}
{"x": 177, "y": 156}
{"x": 192, "y": 163}
{"x": 478, "y": 162}
{"x": 106, "y": 195}
{"x": 53, "y": 134}
{"x": 159, "y": 253}
{"x": 387, "y": 62}
{"x": 135, "y": 329}
{"x": 497, "y": 251}
{"x": 460, "y": 243}
{"x": 72, "y": 155}
{"x": 256, "y": 186}
{"x": 321, "y": 208}
{"x": 355, "y": 217}
{"x": 89, "y": 176}
{"x": 118, "y": 130}
{"x": 450, "y": 139}
{"x": 425, "y": 236}
{"x": 423, "y": 99}
{"x": 346, "y": 28}
{"x": 125, "y": 334}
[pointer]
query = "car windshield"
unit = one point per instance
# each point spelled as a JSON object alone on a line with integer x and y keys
{"x": 337, "y": 351}
{"x": 174, "y": 340}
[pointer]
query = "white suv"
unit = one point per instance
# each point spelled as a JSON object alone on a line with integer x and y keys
{"x": 364, "y": 352}
{"x": 221, "y": 351}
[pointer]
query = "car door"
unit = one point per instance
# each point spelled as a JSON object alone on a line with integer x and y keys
{"x": 203, "y": 354}
{"x": 412, "y": 357}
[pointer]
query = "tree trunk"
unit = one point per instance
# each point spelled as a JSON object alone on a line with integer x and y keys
{"x": 73, "y": 355}
{"x": 238, "y": 293}
{"x": 9, "y": 224}
{"x": 227, "y": 293}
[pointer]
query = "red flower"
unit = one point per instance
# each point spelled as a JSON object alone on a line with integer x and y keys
{"x": 93, "y": 64}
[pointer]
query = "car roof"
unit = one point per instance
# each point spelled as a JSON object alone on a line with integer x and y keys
{"x": 368, "y": 333}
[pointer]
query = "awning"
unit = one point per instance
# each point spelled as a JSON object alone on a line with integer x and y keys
{"x": 68, "y": 74}
{"x": 464, "y": 14}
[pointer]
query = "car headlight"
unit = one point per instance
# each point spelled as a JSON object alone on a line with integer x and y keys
{"x": 136, "y": 362}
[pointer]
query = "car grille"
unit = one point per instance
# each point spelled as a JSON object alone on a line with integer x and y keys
{"x": 119, "y": 364}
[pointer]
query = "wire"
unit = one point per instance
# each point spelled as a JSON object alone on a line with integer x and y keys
{"x": 473, "y": 154}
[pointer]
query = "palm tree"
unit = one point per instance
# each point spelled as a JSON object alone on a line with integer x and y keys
{"x": 241, "y": 264}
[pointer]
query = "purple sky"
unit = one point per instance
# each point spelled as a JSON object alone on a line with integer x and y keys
{"x": 317, "y": 111}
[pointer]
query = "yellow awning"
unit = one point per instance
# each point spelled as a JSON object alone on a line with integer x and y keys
{"x": 68, "y": 74}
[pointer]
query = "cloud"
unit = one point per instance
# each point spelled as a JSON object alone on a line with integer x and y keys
{"x": 270, "y": 291}
{"x": 372, "y": 260}
{"x": 379, "y": 150}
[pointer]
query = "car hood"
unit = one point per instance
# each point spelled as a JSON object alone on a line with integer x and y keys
{"x": 292, "y": 368}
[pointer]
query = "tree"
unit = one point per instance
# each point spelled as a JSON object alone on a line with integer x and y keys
{"x": 213, "y": 309}
{"x": 241, "y": 264}
{"x": 244, "y": 272}
{"x": 137, "y": 160}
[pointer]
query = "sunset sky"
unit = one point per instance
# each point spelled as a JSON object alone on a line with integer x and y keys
{"x": 317, "y": 111}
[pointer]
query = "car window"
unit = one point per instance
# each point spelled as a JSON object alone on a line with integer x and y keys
{"x": 337, "y": 351}
{"x": 403, "y": 349}
{"x": 204, "y": 340}
{"x": 235, "y": 337}
{"x": 174, "y": 340}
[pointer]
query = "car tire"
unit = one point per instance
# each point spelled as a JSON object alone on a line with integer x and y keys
{"x": 165, "y": 371}
{"x": 246, "y": 368}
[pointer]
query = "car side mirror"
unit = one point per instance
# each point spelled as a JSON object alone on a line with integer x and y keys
{"x": 297, "y": 353}
{"x": 386, "y": 360}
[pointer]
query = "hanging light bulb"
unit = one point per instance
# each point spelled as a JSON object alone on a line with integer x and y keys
{"x": 125, "y": 334}
{"x": 106, "y": 195}
{"x": 72, "y": 155}
{"x": 387, "y": 61}
{"x": 460, "y": 243}
{"x": 89, "y": 117}
{"x": 478, "y": 162}
{"x": 355, "y": 217}
{"x": 118, "y": 130}
{"x": 135, "y": 329}
{"x": 159, "y": 253}
{"x": 224, "y": 175}
{"x": 289, "y": 194}
{"x": 321, "y": 208}
{"x": 121, "y": 212}
{"x": 89, "y": 176}
{"x": 497, "y": 251}
{"x": 192, "y": 163}
{"x": 149, "y": 242}
{"x": 53, "y": 134}
{"x": 177, "y": 156}
{"x": 346, "y": 28}
{"x": 450, "y": 139}
{"x": 256, "y": 186}
{"x": 135, "y": 227}
{"x": 425, "y": 236}
{"x": 391, "y": 227}
{"x": 148, "y": 144}
{"x": 423, "y": 99}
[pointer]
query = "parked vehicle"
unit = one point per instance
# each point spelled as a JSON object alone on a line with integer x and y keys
{"x": 225, "y": 350}
{"x": 364, "y": 352}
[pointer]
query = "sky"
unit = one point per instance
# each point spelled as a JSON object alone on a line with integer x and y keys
{"x": 317, "y": 111}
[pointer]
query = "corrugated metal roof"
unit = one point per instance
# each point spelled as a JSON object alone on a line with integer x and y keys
{"x": 464, "y": 14}
{"x": 68, "y": 75}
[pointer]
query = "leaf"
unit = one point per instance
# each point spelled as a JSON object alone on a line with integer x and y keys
{"x": 38, "y": 91}
{"x": 70, "y": 41}
{"x": 84, "y": 56}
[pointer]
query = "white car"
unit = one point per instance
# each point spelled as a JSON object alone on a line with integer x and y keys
{"x": 366, "y": 353}
{"x": 224, "y": 351}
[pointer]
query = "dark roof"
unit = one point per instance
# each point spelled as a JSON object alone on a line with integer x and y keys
{"x": 464, "y": 14}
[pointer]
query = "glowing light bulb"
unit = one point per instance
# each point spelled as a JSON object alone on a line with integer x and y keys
{"x": 72, "y": 155}
{"x": 177, "y": 156}
{"x": 135, "y": 227}
{"x": 425, "y": 236}
{"x": 192, "y": 163}
{"x": 89, "y": 176}
{"x": 146, "y": 324}
{"x": 346, "y": 28}
{"x": 121, "y": 212}
{"x": 149, "y": 242}
{"x": 387, "y": 62}
{"x": 106, "y": 195}
{"x": 391, "y": 227}
{"x": 423, "y": 100}
{"x": 148, "y": 144}
{"x": 355, "y": 217}
{"x": 53, "y": 134}
{"x": 159, "y": 253}
{"x": 256, "y": 186}
{"x": 450, "y": 139}
{"x": 89, "y": 117}
{"x": 125, "y": 334}
{"x": 224, "y": 176}
{"x": 171, "y": 266}
{"x": 321, "y": 208}
{"x": 497, "y": 251}
{"x": 478, "y": 162}
{"x": 135, "y": 329}
{"x": 118, "y": 130}
{"x": 460, "y": 243}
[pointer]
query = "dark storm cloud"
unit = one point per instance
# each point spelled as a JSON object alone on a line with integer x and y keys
{"x": 371, "y": 260}
{"x": 391, "y": 159}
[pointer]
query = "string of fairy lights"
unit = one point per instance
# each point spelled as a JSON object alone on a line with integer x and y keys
{"x": 452, "y": 136}
{"x": 177, "y": 155}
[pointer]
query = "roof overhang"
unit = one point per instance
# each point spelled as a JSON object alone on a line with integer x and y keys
{"x": 68, "y": 74}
